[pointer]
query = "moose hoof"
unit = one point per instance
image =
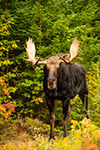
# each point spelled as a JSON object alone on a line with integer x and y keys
{"x": 65, "y": 135}
{"x": 51, "y": 137}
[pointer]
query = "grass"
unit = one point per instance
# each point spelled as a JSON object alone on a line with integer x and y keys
{"x": 83, "y": 136}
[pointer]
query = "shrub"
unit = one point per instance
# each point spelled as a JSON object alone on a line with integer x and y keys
{"x": 6, "y": 106}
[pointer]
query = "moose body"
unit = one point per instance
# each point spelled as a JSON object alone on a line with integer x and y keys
{"x": 70, "y": 80}
{"x": 64, "y": 83}
{"x": 63, "y": 80}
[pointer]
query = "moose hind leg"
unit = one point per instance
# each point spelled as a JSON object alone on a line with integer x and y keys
{"x": 84, "y": 98}
{"x": 69, "y": 112}
{"x": 50, "y": 104}
{"x": 66, "y": 114}
{"x": 87, "y": 109}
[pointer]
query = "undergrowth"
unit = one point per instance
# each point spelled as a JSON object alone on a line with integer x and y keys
{"x": 27, "y": 136}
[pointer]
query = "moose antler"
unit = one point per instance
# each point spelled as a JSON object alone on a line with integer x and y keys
{"x": 73, "y": 51}
{"x": 65, "y": 58}
{"x": 30, "y": 49}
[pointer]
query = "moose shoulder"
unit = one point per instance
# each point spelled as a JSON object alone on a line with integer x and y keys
{"x": 63, "y": 80}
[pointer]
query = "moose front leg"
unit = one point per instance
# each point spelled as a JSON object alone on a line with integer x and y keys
{"x": 50, "y": 104}
{"x": 66, "y": 114}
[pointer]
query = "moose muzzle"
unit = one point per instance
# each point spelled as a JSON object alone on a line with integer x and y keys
{"x": 51, "y": 84}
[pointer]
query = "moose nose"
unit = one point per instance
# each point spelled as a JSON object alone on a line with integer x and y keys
{"x": 51, "y": 84}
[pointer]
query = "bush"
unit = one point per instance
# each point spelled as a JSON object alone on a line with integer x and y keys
{"x": 6, "y": 106}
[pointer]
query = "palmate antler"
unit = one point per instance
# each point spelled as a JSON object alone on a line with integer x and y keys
{"x": 30, "y": 49}
{"x": 73, "y": 52}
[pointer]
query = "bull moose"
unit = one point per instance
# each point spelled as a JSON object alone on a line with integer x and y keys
{"x": 63, "y": 80}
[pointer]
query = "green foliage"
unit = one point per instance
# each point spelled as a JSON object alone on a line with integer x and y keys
{"x": 94, "y": 92}
{"x": 53, "y": 25}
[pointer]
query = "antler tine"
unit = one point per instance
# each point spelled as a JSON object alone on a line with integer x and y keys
{"x": 74, "y": 56}
{"x": 30, "y": 49}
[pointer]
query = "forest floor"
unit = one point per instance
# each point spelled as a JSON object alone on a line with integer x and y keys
{"x": 34, "y": 135}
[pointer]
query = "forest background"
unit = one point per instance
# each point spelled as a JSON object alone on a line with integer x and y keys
{"x": 53, "y": 24}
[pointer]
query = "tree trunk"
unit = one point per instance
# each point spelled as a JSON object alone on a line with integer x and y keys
{"x": 40, "y": 26}
{"x": 5, "y": 4}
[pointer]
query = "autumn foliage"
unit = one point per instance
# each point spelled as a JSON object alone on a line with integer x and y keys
{"x": 6, "y": 106}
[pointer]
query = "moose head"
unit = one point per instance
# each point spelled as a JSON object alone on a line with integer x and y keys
{"x": 52, "y": 63}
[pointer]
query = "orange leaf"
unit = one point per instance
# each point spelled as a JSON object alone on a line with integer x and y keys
{"x": 91, "y": 147}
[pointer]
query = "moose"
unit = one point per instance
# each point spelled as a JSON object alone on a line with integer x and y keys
{"x": 63, "y": 80}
